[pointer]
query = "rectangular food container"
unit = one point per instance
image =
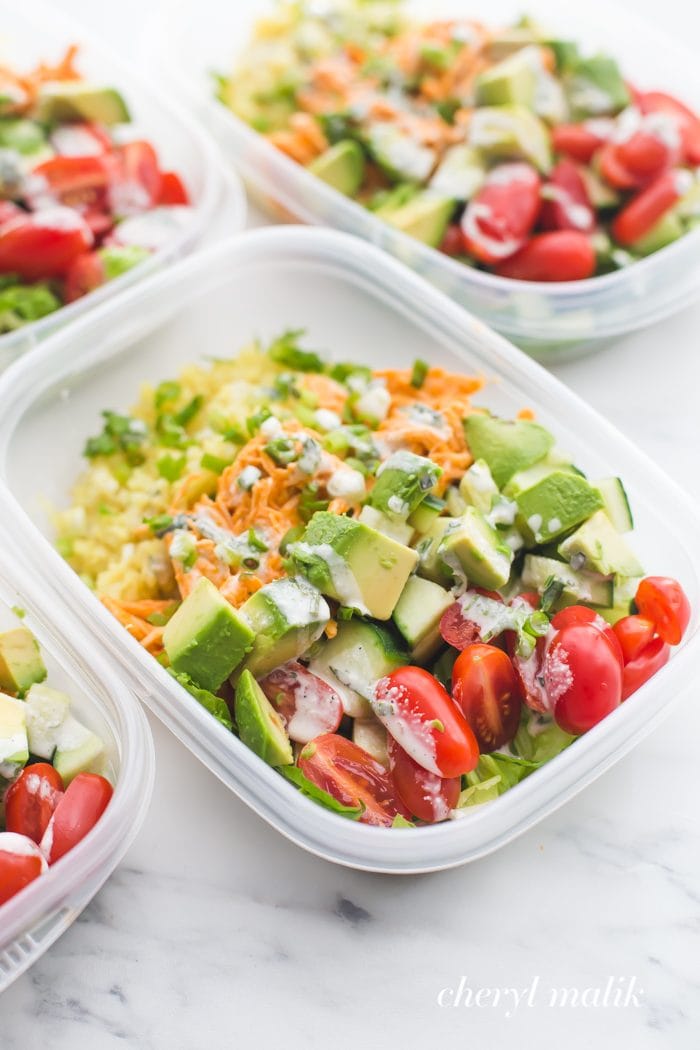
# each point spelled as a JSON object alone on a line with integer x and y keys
{"x": 31, "y": 921}
{"x": 186, "y": 42}
{"x": 356, "y": 303}
{"x": 32, "y": 31}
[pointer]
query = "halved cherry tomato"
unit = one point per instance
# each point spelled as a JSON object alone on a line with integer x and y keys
{"x": 21, "y": 861}
{"x": 43, "y": 244}
{"x": 562, "y": 255}
{"x": 9, "y": 210}
{"x": 80, "y": 140}
{"x": 76, "y": 180}
{"x": 637, "y": 160}
{"x": 486, "y": 689}
{"x": 582, "y": 614}
{"x": 99, "y": 220}
{"x": 84, "y": 274}
{"x": 453, "y": 241}
{"x": 138, "y": 184}
{"x": 307, "y": 705}
{"x": 83, "y": 803}
{"x": 529, "y": 670}
{"x": 425, "y": 721}
{"x": 456, "y": 630}
{"x": 613, "y": 170}
{"x": 643, "y": 212}
{"x": 498, "y": 219}
{"x": 566, "y": 203}
{"x": 663, "y": 600}
{"x": 353, "y": 777}
{"x": 634, "y": 633}
{"x": 582, "y": 677}
{"x": 172, "y": 189}
{"x": 31, "y": 800}
{"x": 686, "y": 120}
{"x": 425, "y": 795}
{"x": 576, "y": 141}
{"x": 639, "y": 670}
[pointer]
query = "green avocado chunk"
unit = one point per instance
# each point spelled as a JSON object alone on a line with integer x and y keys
{"x": 14, "y": 748}
{"x": 471, "y": 547}
{"x": 78, "y": 750}
{"x": 353, "y": 661}
{"x": 554, "y": 504}
{"x": 595, "y": 88}
{"x": 286, "y": 617}
{"x": 511, "y": 133}
{"x": 21, "y": 664}
{"x": 506, "y": 446}
{"x": 75, "y": 100}
{"x": 460, "y": 173}
{"x": 259, "y": 726}
{"x": 24, "y": 136}
{"x": 207, "y": 638}
{"x": 597, "y": 546}
{"x": 403, "y": 482}
{"x": 399, "y": 154}
{"x": 342, "y": 167}
{"x": 426, "y": 217}
{"x": 513, "y": 81}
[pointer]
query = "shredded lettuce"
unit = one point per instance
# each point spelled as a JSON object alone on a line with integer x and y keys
{"x": 214, "y": 704}
{"x": 540, "y": 739}
{"x": 494, "y": 775}
{"x": 21, "y": 304}
{"x": 312, "y": 791}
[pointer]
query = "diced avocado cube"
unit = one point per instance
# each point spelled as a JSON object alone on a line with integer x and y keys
{"x": 417, "y": 616}
{"x": 399, "y": 153}
{"x": 511, "y": 133}
{"x": 430, "y": 565}
{"x": 506, "y": 42}
{"x": 624, "y": 591}
{"x": 342, "y": 167}
{"x": 425, "y": 513}
{"x": 354, "y": 564}
{"x": 553, "y": 505}
{"x": 477, "y": 486}
{"x": 62, "y": 103}
{"x": 21, "y": 664}
{"x": 397, "y": 530}
{"x": 14, "y": 747}
{"x": 616, "y": 503}
{"x": 459, "y": 174}
{"x": 46, "y": 711}
{"x": 566, "y": 52}
{"x": 26, "y": 137}
{"x": 474, "y": 549}
{"x": 355, "y": 659}
{"x": 597, "y": 546}
{"x": 595, "y": 88}
{"x": 506, "y": 446}
{"x": 426, "y": 217}
{"x": 286, "y": 617}
{"x": 600, "y": 193}
{"x": 259, "y": 725}
{"x": 78, "y": 750}
{"x": 664, "y": 232}
{"x": 403, "y": 482}
{"x": 207, "y": 638}
{"x": 370, "y": 735}
{"x": 513, "y": 81}
{"x": 577, "y": 586}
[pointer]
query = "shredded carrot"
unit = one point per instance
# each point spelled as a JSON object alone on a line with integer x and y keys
{"x": 525, "y": 413}
{"x": 28, "y": 84}
{"x": 132, "y": 616}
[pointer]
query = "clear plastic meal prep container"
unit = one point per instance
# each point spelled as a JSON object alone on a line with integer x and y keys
{"x": 186, "y": 41}
{"x": 31, "y": 921}
{"x": 356, "y": 303}
{"x": 29, "y": 32}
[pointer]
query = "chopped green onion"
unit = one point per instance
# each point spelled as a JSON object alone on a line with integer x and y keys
{"x": 171, "y": 467}
{"x": 187, "y": 414}
{"x": 282, "y": 451}
{"x": 285, "y": 351}
{"x": 419, "y": 373}
{"x": 254, "y": 422}
{"x": 160, "y": 523}
{"x": 166, "y": 392}
{"x": 214, "y": 463}
{"x": 255, "y": 542}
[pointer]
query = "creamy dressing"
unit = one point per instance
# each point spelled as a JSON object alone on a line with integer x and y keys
{"x": 342, "y": 579}
{"x": 326, "y": 419}
{"x": 405, "y": 724}
{"x": 248, "y": 477}
{"x": 298, "y": 601}
{"x": 21, "y": 846}
{"x": 375, "y": 402}
{"x": 311, "y": 456}
{"x": 346, "y": 483}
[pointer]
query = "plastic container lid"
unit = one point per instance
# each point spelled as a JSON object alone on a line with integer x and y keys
{"x": 551, "y": 321}
{"x": 31, "y": 921}
{"x": 31, "y": 31}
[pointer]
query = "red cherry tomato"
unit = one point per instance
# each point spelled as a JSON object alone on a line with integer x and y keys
{"x": 425, "y": 795}
{"x": 582, "y": 677}
{"x": 43, "y": 244}
{"x": 637, "y": 160}
{"x": 353, "y": 777}
{"x": 663, "y": 600}
{"x": 566, "y": 204}
{"x": 576, "y": 141}
{"x": 613, "y": 170}
{"x": 83, "y": 803}
{"x": 84, "y": 274}
{"x": 634, "y": 633}
{"x": 486, "y": 688}
{"x": 9, "y": 210}
{"x": 529, "y": 670}
{"x": 138, "y": 184}
{"x": 687, "y": 122}
{"x": 422, "y": 717}
{"x": 101, "y": 222}
{"x": 307, "y": 705}
{"x": 21, "y": 861}
{"x": 582, "y": 614}
{"x": 75, "y": 180}
{"x": 80, "y": 140}
{"x": 453, "y": 241}
{"x": 562, "y": 255}
{"x": 31, "y": 800}
{"x": 644, "y": 665}
{"x": 456, "y": 630}
{"x": 498, "y": 219}
{"x": 644, "y": 211}
{"x": 172, "y": 189}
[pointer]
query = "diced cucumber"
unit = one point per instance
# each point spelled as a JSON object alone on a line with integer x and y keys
{"x": 578, "y": 586}
{"x": 417, "y": 616}
{"x": 424, "y": 515}
{"x": 371, "y": 736}
{"x": 616, "y": 503}
{"x": 360, "y": 654}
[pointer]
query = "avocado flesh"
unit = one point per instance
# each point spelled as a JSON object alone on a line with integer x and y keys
{"x": 21, "y": 664}
{"x": 426, "y": 218}
{"x": 506, "y": 446}
{"x": 46, "y": 711}
{"x": 460, "y": 174}
{"x": 601, "y": 548}
{"x": 513, "y": 81}
{"x": 342, "y": 167}
{"x": 403, "y": 482}
{"x": 78, "y": 750}
{"x": 14, "y": 746}
{"x": 511, "y": 133}
{"x": 554, "y": 505}
{"x": 286, "y": 617}
{"x": 63, "y": 103}
{"x": 475, "y": 549}
{"x": 594, "y": 87}
{"x": 259, "y": 725}
{"x": 207, "y": 638}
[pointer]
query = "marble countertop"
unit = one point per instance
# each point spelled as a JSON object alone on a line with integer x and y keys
{"x": 215, "y": 931}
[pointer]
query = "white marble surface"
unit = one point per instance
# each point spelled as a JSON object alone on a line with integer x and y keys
{"x": 215, "y": 931}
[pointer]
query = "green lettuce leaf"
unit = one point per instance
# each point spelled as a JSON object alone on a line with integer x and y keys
{"x": 312, "y": 791}
{"x": 213, "y": 703}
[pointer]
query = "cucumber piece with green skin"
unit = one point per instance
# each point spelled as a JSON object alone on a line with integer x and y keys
{"x": 371, "y": 736}
{"x": 259, "y": 725}
{"x": 46, "y": 710}
{"x": 616, "y": 504}
{"x": 578, "y": 586}
{"x": 355, "y": 659}
{"x": 667, "y": 230}
{"x": 342, "y": 167}
{"x": 78, "y": 750}
{"x": 597, "y": 546}
{"x": 426, "y": 513}
{"x": 417, "y": 616}
{"x": 398, "y": 154}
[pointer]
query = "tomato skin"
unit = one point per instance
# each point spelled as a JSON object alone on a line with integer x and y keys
{"x": 453, "y": 241}
{"x": 425, "y": 795}
{"x": 634, "y": 633}
{"x": 307, "y": 705}
{"x": 568, "y": 206}
{"x": 561, "y": 255}
{"x": 663, "y": 601}
{"x": 486, "y": 689}
{"x": 172, "y": 189}
{"x": 422, "y": 717}
{"x": 687, "y": 121}
{"x": 68, "y": 175}
{"x": 643, "y": 212}
{"x": 84, "y": 274}
{"x": 21, "y": 861}
{"x": 639, "y": 670}
{"x": 576, "y": 141}
{"x": 43, "y": 244}
{"x": 139, "y": 182}
{"x": 83, "y": 803}
{"x": 613, "y": 170}
{"x": 529, "y": 670}
{"x": 31, "y": 800}
{"x": 576, "y": 614}
{"x": 583, "y": 677}
{"x": 498, "y": 219}
{"x": 348, "y": 773}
